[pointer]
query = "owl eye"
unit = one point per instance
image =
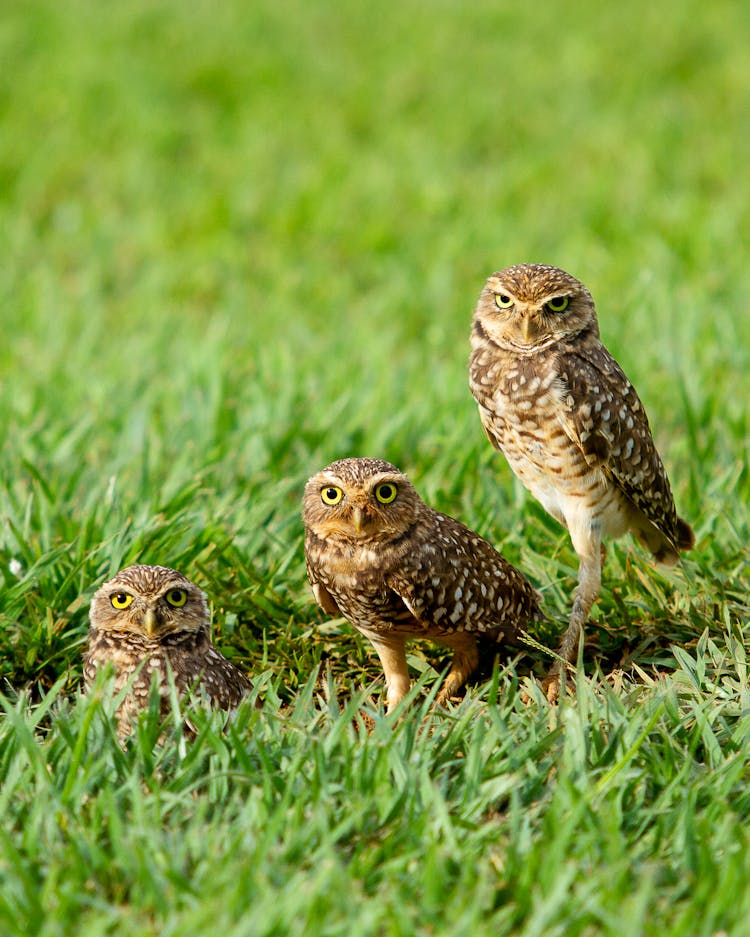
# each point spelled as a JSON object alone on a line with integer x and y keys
{"x": 121, "y": 600}
{"x": 386, "y": 493}
{"x": 558, "y": 304}
{"x": 331, "y": 494}
{"x": 176, "y": 597}
{"x": 502, "y": 301}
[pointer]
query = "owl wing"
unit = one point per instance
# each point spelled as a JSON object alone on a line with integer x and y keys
{"x": 458, "y": 581}
{"x": 90, "y": 668}
{"x": 322, "y": 596}
{"x": 493, "y": 425}
{"x": 224, "y": 683}
{"x": 604, "y": 416}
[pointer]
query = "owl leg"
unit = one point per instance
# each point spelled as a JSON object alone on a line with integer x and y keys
{"x": 588, "y": 546}
{"x": 392, "y": 653}
{"x": 465, "y": 660}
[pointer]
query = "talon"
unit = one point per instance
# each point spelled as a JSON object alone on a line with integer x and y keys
{"x": 551, "y": 687}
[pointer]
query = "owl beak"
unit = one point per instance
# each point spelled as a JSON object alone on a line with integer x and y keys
{"x": 149, "y": 622}
{"x": 358, "y": 519}
{"x": 529, "y": 330}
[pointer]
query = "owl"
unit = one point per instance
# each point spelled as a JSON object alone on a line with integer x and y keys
{"x": 150, "y": 620}
{"x": 395, "y": 569}
{"x": 555, "y": 402}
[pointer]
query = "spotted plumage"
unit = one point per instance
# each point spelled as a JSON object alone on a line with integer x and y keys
{"x": 150, "y": 620}
{"x": 555, "y": 402}
{"x": 378, "y": 556}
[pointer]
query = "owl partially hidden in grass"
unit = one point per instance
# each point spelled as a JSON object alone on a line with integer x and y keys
{"x": 149, "y": 622}
{"x": 381, "y": 558}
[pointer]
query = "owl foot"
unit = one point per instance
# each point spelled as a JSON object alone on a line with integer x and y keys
{"x": 551, "y": 687}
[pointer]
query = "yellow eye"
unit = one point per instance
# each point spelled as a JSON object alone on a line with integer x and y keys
{"x": 121, "y": 600}
{"x": 176, "y": 597}
{"x": 558, "y": 304}
{"x": 502, "y": 301}
{"x": 331, "y": 494}
{"x": 386, "y": 492}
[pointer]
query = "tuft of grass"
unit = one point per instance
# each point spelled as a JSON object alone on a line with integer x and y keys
{"x": 240, "y": 241}
{"x": 619, "y": 809}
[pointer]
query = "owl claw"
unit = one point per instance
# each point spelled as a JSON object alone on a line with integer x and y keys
{"x": 551, "y": 687}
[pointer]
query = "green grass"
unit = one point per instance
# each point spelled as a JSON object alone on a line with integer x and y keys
{"x": 242, "y": 240}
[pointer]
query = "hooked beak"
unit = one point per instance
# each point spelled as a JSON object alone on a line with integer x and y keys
{"x": 358, "y": 519}
{"x": 149, "y": 622}
{"x": 528, "y": 329}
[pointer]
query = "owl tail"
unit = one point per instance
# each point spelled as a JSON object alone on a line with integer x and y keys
{"x": 665, "y": 549}
{"x": 685, "y": 535}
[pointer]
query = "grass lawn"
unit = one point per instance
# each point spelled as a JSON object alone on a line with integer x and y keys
{"x": 241, "y": 240}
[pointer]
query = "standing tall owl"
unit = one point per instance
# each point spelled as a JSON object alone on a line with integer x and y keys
{"x": 146, "y": 621}
{"x": 555, "y": 402}
{"x": 396, "y": 569}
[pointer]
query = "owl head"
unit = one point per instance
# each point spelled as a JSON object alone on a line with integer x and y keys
{"x": 531, "y": 305}
{"x": 360, "y": 500}
{"x": 149, "y": 601}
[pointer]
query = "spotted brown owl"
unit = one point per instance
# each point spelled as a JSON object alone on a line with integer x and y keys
{"x": 149, "y": 619}
{"x": 555, "y": 402}
{"x": 381, "y": 558}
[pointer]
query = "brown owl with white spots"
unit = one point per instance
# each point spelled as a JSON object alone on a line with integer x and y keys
{"x": 555, "y": 402}
{"x": 381, "y": 558}
{"x": 146, "y": 621}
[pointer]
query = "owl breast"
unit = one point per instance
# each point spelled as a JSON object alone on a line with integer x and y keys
{"x": 355, "y": 578}
{"x": 523, "y": 409}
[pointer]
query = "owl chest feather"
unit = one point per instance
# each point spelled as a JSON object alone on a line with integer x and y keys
{"x": 357, "y": 580}
{"x": 131, "y": 655}
{"x": 188, "y": 659}
{"x": 525, "y": 404}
